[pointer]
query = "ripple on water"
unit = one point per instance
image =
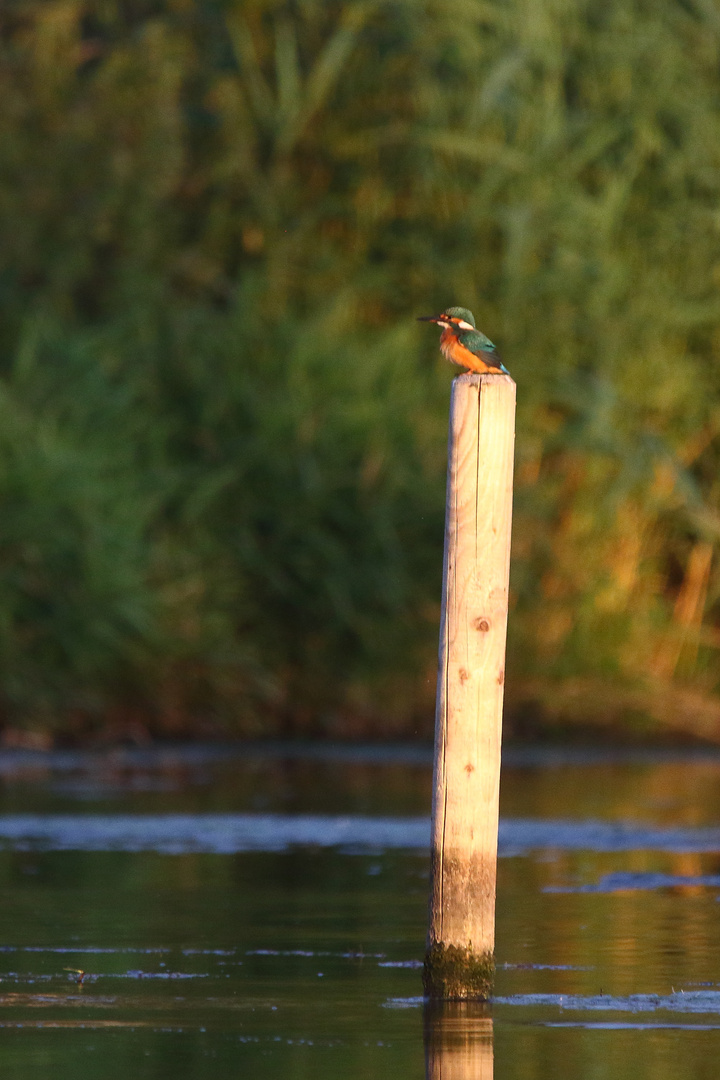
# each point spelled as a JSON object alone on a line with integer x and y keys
{"x": 179, "y": 834}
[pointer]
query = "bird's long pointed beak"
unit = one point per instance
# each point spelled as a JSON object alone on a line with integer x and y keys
{"x": 428, "y": 318}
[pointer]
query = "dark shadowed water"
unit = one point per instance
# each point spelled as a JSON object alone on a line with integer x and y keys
{"x": 262, "y": 913}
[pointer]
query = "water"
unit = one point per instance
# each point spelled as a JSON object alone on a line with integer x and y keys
{"x": 200, "y": 914}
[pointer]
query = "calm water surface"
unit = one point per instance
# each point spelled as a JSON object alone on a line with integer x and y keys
{"x": 261, "y": 913}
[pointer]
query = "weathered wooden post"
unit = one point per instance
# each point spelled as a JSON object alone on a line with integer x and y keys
{"x": 459, "y": 961}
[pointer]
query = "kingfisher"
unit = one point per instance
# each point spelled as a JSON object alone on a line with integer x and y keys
{"x": 462, "y": 343}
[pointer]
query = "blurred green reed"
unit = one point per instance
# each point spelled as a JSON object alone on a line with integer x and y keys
{"x": 222, "y": 446}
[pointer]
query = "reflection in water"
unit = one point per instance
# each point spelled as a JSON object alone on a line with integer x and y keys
{"x": 458, "y": 1040}
{"x": 265, "y": 917}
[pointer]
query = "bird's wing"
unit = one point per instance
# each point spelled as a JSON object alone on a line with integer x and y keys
{"x": 480, "y": 345}
{"x": 476, "y": 342}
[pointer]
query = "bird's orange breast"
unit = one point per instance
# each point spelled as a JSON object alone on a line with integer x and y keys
{"x": 456, "y": 353}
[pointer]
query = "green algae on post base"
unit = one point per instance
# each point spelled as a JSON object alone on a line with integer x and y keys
{"x": 451, "y": 973}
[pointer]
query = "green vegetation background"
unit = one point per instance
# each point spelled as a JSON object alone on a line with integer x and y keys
{"x": 222, "y": 433}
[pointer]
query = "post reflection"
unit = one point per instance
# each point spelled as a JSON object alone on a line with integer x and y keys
{"x": 458, "y": 1040}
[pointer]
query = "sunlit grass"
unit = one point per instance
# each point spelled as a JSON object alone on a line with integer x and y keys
{"x": 223, "y": 435}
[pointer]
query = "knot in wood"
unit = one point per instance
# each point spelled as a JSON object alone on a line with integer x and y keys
{"x": 482, "y": 624}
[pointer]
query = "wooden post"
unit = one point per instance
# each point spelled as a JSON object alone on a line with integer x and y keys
{"x": 459, "y": 963}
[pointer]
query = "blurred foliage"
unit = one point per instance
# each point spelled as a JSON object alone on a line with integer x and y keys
{"x": 222, "y": 441}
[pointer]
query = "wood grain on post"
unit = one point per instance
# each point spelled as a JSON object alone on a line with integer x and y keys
{"x": 459, "y": 962}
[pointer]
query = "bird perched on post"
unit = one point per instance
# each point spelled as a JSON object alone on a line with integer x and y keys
{"x": 462, "y": 343}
